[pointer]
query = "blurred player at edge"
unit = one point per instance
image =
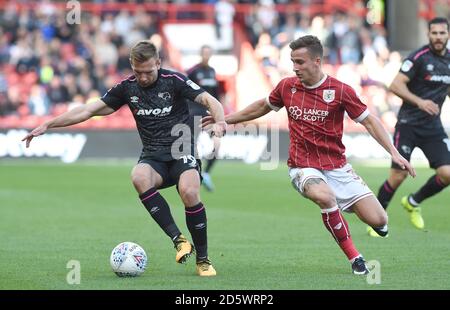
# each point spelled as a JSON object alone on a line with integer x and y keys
{"x": 205, "y": 76}
{"x": 423, "y": 83}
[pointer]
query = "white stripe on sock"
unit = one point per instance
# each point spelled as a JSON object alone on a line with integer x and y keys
{"x": 353, "y": 259}
{"x": 329, "y": 210}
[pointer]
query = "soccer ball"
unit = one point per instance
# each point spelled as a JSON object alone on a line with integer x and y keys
{"x": 128, "y": 259}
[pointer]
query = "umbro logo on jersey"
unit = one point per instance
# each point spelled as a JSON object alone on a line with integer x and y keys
{"x": 134, "y": 99}
{"x": 293, "y": 90}
{"x": 430, "y": 67}
{"x": 155, "y": 112}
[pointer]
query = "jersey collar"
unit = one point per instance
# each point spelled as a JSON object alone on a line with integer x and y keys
{"x": 317, "y": 84}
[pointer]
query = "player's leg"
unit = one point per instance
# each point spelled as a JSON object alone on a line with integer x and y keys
{"x": 370, "y": 211}
{"x": 434, "y": 185}
{"x": 311, "y": 183}
{"x": 210, "y": 161}
{"x": 188, "y": 174}
{"x": 147, "y": 176}
{"x": 404, "y": 141}
{"x": 200, "y": 111}
{"x": 353, "y": 194}
{"x": 351, "y": 190}
{"x": 437, "y": 152}
{"x": 385, "y": 194}
{"x": 388, "y": 188}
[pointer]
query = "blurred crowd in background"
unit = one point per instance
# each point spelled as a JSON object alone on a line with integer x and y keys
{"x": 48, "y": 65}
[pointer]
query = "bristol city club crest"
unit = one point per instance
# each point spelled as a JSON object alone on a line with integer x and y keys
{"x": 328, "y": 95}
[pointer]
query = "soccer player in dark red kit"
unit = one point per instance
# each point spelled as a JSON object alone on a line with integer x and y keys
{"x": 318, "y": 169}
{"x": 423, "y": 83}
{"x": 157, "y": 98}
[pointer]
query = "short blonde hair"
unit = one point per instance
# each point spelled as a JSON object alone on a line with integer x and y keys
{"x": 143, "y": 51}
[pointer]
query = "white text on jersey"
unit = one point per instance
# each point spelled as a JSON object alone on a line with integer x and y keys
{"x": 155, "y": 112}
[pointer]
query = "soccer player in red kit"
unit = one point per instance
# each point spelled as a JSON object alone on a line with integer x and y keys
{"x": 318, "y": 169}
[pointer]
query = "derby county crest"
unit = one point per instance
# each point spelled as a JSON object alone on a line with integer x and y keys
{"x": 328, "y": 95}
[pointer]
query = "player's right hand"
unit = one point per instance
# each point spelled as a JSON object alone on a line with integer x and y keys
{"x": 403, "y": 163}
{"x": 34, "y": 133}
{"x": 429, "y": 106}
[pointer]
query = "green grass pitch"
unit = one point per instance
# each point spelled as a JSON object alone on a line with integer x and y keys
{"x": 262, "y": 233}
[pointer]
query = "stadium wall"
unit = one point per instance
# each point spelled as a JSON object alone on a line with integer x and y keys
{"x": 247, "y": 144}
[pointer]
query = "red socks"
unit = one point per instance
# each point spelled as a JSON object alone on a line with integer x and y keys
{"x": 337, "y": 226}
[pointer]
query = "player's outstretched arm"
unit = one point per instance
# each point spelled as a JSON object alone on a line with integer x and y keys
{"x": 400, "y": 88}
{"x": 72, "y": 117}
{"x": 379, "y": 133}
{"x": 219, "y": 126}
{"x": 253, "y": 111}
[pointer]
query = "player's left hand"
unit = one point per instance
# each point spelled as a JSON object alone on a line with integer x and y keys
{"x": 34, "y": 133}
{"x": 404, "y": 164}
{"x": 219, "y": 129}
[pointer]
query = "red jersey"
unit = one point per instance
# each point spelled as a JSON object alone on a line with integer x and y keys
{"x": 316, "y": 120}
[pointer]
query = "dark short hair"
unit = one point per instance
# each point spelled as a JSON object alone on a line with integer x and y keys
{"x": 143, "y": 51}
{"x": 437, "y": 20}
{"x": 205, "y": 46}
{"x": 312, "y": 44}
